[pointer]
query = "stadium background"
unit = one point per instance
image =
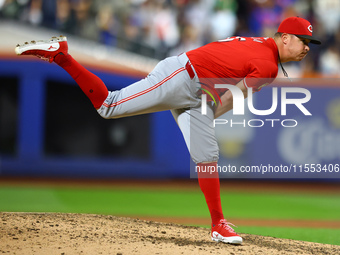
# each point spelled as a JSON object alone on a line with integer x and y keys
{"x": 49, "y": 131}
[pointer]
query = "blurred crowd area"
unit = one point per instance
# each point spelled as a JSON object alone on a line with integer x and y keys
{"x": 160, "y": 28}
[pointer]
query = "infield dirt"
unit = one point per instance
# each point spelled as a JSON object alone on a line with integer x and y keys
{"x": 64, "y": 234}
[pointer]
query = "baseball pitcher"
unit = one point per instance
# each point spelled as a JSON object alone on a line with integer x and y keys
{"x": 177, "y": 83}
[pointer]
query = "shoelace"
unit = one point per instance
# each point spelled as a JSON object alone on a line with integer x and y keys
{"x": 226, "y": 224}
{"x": 43, "y": 58}
{"x": 50, "y": 60}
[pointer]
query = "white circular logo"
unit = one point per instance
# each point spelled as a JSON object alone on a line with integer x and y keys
{"x": 310, "y": 28}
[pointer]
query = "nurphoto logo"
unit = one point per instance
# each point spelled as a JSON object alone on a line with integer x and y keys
{"x": 239, "y": 106}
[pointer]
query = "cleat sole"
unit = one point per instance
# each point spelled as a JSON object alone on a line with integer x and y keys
{"x": 231, "y": 240}
{"x": 19, "y": 49}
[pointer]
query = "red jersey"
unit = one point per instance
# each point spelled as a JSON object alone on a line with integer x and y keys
{"x": 228, "y": 61}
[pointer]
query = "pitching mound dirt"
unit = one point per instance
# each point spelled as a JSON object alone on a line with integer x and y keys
{"x": 56, "y": 233}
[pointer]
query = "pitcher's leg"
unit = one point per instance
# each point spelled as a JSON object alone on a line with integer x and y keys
{"x": 56, "y": 49}
{"x": 93, "y": 87}
{"x": 209, "y": 183}
{"x": 199, "y": 136}
{"x": 198, "y": 133}
{"x": 152, "y": 94}
{"x": 167, "y": 87}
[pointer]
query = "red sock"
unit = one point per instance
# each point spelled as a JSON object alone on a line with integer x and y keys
{"x": 210, "y": 186}
{"x": 90, "y": 84}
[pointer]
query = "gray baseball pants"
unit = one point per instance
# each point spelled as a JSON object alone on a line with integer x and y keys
{"x": 170, "y": 86}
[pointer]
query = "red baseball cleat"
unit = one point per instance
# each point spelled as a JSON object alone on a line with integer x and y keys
{"x": 222, "y": 232}
{"x": 45, "y": 50}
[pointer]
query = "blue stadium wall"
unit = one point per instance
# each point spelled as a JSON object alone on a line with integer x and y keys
{"x": 49, "y": 129}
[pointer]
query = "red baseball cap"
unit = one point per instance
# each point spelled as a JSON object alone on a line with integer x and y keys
{"x": 299, "y": 27}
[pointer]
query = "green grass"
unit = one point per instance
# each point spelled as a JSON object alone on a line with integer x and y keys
{"x": 170, "y": 203}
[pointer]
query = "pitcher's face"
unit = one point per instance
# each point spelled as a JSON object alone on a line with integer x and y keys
{"x": 297, "y": 48}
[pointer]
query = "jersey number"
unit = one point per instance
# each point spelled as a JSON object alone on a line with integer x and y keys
{"x": 229, "y": 39}
{"x": 239, "y": 38}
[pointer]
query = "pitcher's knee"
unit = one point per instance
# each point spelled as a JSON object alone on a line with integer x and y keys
{"x": 105, "y": 113}
{"x": 205, "y": 156}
